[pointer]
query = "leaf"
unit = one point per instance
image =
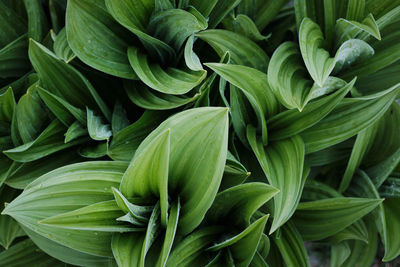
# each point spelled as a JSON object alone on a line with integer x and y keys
{"x": 220, "y": 10}
{"x": 14, "y": 60}
{"x": 147, "y": 174}
{"x": 287, "y": 76}
{"x": 238, "y": 204}
{"x": 191, "y": 58}
{"x": 242, "y": 50}
{"x": 174, "y": 26}
{"x": 192, "y": 246}
{"x": 135, "y": 16}
{"x": 7, "y": 102}
{"x": 347, "y": 119}
{"x": 125, "y": 142}
{"x": 144, "y": 97}
{"x": 100, "y": 216}
{"x": 169, "y": 81}
{"x": 26, "y": 253}
{"x": 47, "y": 143}
{"x": 94, "y": 150}
{"x": 29, "y": 171}
{"x": 339, "y": 253}
{"x": 243, "y": 246}
{"x": 12, "y": 25}
{"x": 319, "y": 219}
{"x": 152, "y": 232}
{"x": 119, "y": 118}
{"x": 96, "y": 38}
{"x": 289, "y": 179}
{"x": 368, "y": 25}
{"x": 138, "y": 212}
{"x": 245, "y": 26}
{"x": 61, "y": 47}
{"x": 254, "y": 85}
{"x": 63, "y": 80}
{"x": 97, "y": 129}
{"x": 317, "y": 60}
{"x": 126, "y": 248}
{"x": 169, "y": 233}
{"x": 193, "y": 134}
{"x": 291, "y": 245}
{"x": 292, "y": 122}
{"x": 234, "y": 173}
{"x": 74, "y": 131}
{"x": 64, "y": 111}
{"x": 37, "y": 21}
{"x": 78, "y": 185}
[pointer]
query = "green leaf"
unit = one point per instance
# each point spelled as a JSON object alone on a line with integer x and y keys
{"x": 97, "y": 39}
{"x": 74, "y": 131}
{"x": 61, "y": 47}
{"x": 191, "y": 59}
{"x": 347, "y": 119}
{"x": 144, "y": 178}
{"x": 317, "y": 60}
{"x": 7, "y": 105}
{"x": 234, "y": 174}
{"x": 292, "y": 122}
{"x": 126, "y": 248}
{"x": 94, "y": 150}
{"x": 76, "y": 185}
{"x": 27, "y": 253}
{"x": 126, "y": 141}
{"x": 192, "y": 246}
{"x": 25, "y": 173}
{"x": 174, "y": 26}
{"x": 119, "y": 118}
{"x": 291, "y": 245}
{"x": 288, "y": 78}
{"x": 339, "y": 253}
{"x": 97, "y": 129}
{"x": 37, "y": 20}
{"x": 48, "y": 142}
{"x": 193, "y": 134}
{"x": 245, "y": 26}
{"x": 242, "y": 50}
{"x": 144, "y": 97}
{"x": 289, "y": 179}
{"x": 238, "y": 204}
{"x": 243, "y": 246}
{"x": 62, "y": 80}
{"x": 170, "y": 233}
{"x": 152, "y": 232}
{"x": 100, "y": 216}
{"x": 220, "y": 10}
{"x": 368, "y": 25}
{"x": 204, "y": 7}
{"x": 254, "y": 85}
{"x": 319, "y": 219}
{"x": 64, "y": 111}
{"x": 138, "y": 212}
{"x": 14, "y": 61}
{"x": 12, "y": 25}
{"x": 351, "y": 52}
{"x": 170, "y": 81}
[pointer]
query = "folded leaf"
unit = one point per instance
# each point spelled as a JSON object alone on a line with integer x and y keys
{"x": 126, "y": 248}
{"x": 289, "y": 179}
{"x": 170, "y": 81}
{"x": 97, "y": 129}
{"x": 61, "y": 47}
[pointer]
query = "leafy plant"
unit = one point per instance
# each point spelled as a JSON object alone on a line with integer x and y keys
{"x": 199, "y": 133}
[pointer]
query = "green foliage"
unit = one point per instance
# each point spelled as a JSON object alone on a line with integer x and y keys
{"x": 199, "y": 132}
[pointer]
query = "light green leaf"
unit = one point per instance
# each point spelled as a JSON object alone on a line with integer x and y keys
{"x": 245, "y": 26}
{"x": 96, "y": 38}
{"x": 152, "y": 232}
{"x": 339, "y": 253}
{"x": 351, "y": 52}
{"x": 220, "y": 10}
{"x": 234, "y": 174}
{"x": 238, "y": 204}
{"x": 138, "y": 212}
{"x": 319, "y": 219}
{"x": 292, "y": 122}
{"x": 76, "y": 185}
{"x": 142, "y": 96}
{"x": 254, "y": 85}
{"x": 100, "y": 216}
{"x": 169, "y": 81}
{"x": 191, "y": 59}
{"x": 368, "y": 25}
{"x": 126, "y": 248}
{"x": 97, "y": 129}
{"x": 190, "y": 140}
{"x": 147, "y": 174}
{"x": 242, "y": 50}
{"x": 74, "y": 131}
{"x": 119, "y": 118}
{"x": 289, "y": 179}
{"x": 288, "y": 78}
